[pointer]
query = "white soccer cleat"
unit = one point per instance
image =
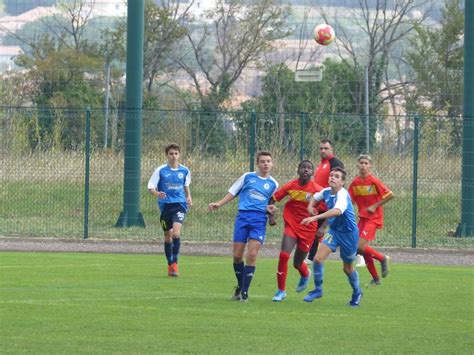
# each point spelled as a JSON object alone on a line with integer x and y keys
{"x": 360, "y": 262}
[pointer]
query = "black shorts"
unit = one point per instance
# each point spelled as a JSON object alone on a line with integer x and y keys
{"x": 172, "y": 213}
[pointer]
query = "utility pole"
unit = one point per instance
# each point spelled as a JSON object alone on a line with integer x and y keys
{"x": 131, "y": 215}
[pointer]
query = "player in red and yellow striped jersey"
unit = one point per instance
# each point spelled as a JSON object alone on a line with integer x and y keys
{"x": 299, "y": 192}
{"x": 369, "y": 194}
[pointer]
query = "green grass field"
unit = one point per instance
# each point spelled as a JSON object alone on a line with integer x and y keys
{"x": 123, "y": 303}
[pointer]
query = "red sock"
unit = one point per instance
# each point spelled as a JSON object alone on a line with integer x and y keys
{"x": 369, "y": 262}
{"x": 282, "y": 270}
{"x": 303, "y": 269}
{"x": 374, "y": 253}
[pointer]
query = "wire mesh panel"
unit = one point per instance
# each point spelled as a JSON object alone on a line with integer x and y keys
{"x": 43, "y": 168}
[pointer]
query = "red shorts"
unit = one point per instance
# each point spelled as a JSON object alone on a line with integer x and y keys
{"x": 367, "y": 229}
{"x": 304, "y": 238}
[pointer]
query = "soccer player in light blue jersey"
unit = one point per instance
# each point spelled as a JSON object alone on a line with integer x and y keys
{"x": 170, "y": 184}
{"x": 254, "y": 190}
{"x": 342, "y": 233}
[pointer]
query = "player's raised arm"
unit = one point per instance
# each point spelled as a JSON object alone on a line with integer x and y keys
{"x": 215, "y": 205}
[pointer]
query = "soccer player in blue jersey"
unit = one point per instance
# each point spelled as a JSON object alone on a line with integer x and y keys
{"x": 170, "y": 184}
{"x": 255, "y": 190}
{"x": 342, "y": 233}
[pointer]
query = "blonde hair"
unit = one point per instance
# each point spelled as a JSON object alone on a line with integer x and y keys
{"x": 364, "y": 156}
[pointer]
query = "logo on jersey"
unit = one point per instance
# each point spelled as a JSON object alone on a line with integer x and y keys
{"x": 180, "y": 175}
{"x": 257, "y": 195}
{"x": 266, "y": 186}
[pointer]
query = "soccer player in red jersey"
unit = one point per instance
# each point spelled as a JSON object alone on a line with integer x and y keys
{"x": 299, "y": 191}
{"x": 370, "y": 194}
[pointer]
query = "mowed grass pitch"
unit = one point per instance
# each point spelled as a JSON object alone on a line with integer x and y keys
{"x": 123, "y": 303}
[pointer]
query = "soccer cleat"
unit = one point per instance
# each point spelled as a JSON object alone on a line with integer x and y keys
{"x": 279, "y": 296}
{"x": 236, "y": 295}
{"x": 244, "y": 297}
{"x": 173, "y": 270}
{"x": 374, "y": 282}
{"x": 303, "y": 283}
{"x": 355, "y": 299}
{"x": 312, "y": 295}
{"x": 384, "y": 263}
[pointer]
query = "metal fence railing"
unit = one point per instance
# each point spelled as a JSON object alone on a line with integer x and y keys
{"x": 43, "y": 169}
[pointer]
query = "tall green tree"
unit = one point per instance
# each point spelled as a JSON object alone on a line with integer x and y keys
{"x": 64, "y": 70}
{"x": 331, "y": 99}
{"x": 232, "y": 36}
{"x": 437, "y": 61}
{"x": 372, "y": 34}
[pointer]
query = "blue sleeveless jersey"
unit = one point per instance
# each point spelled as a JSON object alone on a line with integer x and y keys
{"x": 172, "y": 182}
{"x": 254, "y": 191}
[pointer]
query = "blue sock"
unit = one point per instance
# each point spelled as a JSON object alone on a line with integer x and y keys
{"x": 354, "y": 281}
{"x": 176, "y": 246}
{"x": 239, "y": 272}
{"x": 318, "y": 273}
{"x": 248, "y": 276}
{"x": 168, "y": 252}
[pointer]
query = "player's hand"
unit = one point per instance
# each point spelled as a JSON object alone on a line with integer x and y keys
{"x": 312, "y": 211}
{"x": 213, "y": 206}
{"x": 271, "y": 209}
{"x": 271, "y": 219}
{"x": 161, "y": 194}
{"x": 320, "y": 232}
{"x": 189, "y": 201}
{"x": 371, "y": 209}
{"x": 309, "y": 220}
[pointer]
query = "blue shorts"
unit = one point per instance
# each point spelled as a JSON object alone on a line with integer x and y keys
{"x": 347, "y": 243}
{"x": 171, "y": 213}
{"x": 250, "y": 225}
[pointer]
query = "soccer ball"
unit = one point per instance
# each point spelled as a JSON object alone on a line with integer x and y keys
{"x": 324, "y": 34}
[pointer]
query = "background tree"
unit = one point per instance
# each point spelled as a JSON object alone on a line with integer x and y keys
{"x": 379, "y": 29}
{"x": 65, "y": 71}
{"x": 233, "y": 37}
{"x": 437, "y": 61}
{"x": 328, "y": 99}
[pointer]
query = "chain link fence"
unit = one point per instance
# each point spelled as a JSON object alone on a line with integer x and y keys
{"x": 43, "y": 169}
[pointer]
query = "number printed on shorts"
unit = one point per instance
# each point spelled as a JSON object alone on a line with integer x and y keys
{"x": 328, "y": 237}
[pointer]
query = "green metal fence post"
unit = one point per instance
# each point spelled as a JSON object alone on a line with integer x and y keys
{"x": 87, "y": 173}
{"x": 415, "y": 181}
{"x": 302, "y": 133}
{"x": 253, "y": 128}
{"x": 466, "y": 228}
{"x": 131, "y": 215}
